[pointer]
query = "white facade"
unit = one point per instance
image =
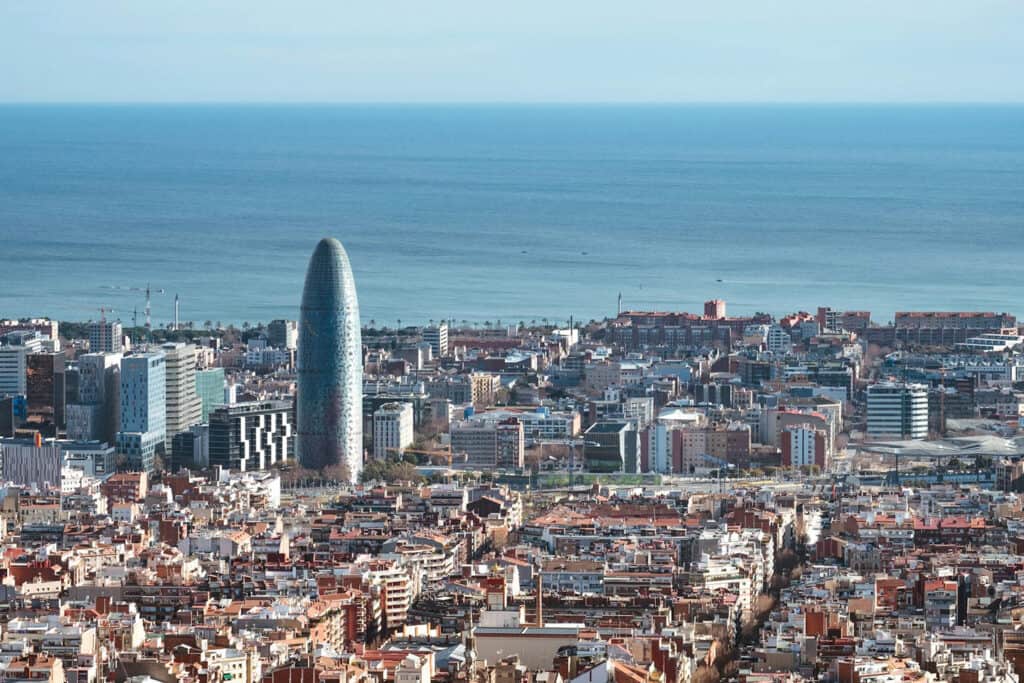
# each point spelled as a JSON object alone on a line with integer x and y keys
{"x": 13, "y": 370}
{"x": 184, "y": 408}
{"x": 437, "y": 337}
{"x": 778, "y": 340}
{"x": 898, "y": 410}
{"x": 392, "y": 429}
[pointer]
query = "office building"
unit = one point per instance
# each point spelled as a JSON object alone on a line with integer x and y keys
{"x": 437, "y": 337}
{"x": 897, "y": 411}
{"x": 191, "y": 449}
{"x": 24, "y": 463}
{"x": 611, "y": 446}
{"x": 392, "y": 429}
{"x": 283, "y": 334}
{"x": 488, "y": 445}
{"x": 329, "y": 405}
{"x": 778, "y": 341}
{"x": 95, "y": 415}
{"x": 210, "y": 386}
{"x": 184, "y": 408}
{"x": 45, "y": 391}
{"x": 143, "y": 414}
{"x": 106, "y": 336}
{"x": 13, "y": 370}
{"x": 251, "y": 436}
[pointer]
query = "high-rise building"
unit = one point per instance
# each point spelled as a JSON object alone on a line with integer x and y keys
{"x": 283, "y": 334}
{"x": 210, "y": 387}
{"x": 12, "y": 370}
{"x": 45, "y": 391}
{"x": 143, "y": 409}
{"x": 106, "y": 336}
{"x": 392, "y": 429}
{"x": 96, "y": 413}
{"x": 184, "y": 408}
{"x": 437, "y": 337}
{"x": 897, "y": 410}
{"x": 251, "y": 436}
{"x": 329, "y": 406}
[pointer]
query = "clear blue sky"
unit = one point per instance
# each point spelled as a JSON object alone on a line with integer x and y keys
{"x": 522, "y": 51}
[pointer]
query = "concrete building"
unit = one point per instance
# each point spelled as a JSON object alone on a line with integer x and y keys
{"x": 106, "y": 336}
{"x": 897, "y": 410}
{"x": 14, "y": 350}
{"x": 483, "y": 445}
{"x": 251, "y": 436}
{"x": 714, "y": 309}
{"x": 92, "y": 458}
{"x": 803, "y": 445}
{"x": 392, "y": 429}
{"x": 483, "y": 388}
{"x": 283, "y": 334}
{"x": 143, "y": 413}
{"x": 437, "y": 337}
{"x": 778, "y": 341}
{"x": 184, "y": 407}
{"x": 329, "y": 405}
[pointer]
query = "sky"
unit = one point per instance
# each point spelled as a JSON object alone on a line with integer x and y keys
{"x": 522, "y": 51}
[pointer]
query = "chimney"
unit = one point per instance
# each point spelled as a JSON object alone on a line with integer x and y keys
{"x": 540, "y": 597}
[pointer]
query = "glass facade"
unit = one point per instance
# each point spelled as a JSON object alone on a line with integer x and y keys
{"x": 210, "y": 387}
{"x": 329, "y": 406}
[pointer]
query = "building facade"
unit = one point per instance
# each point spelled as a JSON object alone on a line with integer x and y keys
{"x": 184, "y": 407}
{"x": 106, "y": 336}
{"x": 329, "y": 407}
{"x": 251, "y": 436}
{"x": 143, "y": 416}
{"x": 392, "y": 429}
{"x": 897, "y": 410}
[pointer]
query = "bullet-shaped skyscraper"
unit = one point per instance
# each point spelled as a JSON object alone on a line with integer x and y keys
{"x": 329, "y": 406}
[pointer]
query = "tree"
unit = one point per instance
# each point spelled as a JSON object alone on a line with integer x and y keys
{"x": 705, "y": 674}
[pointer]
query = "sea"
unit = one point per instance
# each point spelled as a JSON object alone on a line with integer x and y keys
{"x": 488, "y": 213}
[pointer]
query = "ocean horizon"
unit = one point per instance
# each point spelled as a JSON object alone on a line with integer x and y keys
{"x": 510, "y": 212}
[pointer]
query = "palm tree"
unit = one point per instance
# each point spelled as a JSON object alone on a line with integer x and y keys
{"x": 208, "y": 324}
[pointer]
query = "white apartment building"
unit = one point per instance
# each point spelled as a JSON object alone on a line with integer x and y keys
{"x": 392, "y": 429}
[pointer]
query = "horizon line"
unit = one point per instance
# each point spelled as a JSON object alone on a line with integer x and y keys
{"x": 514, "y": 103}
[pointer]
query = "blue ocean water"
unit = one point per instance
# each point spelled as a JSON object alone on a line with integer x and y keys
{"x": 511, "y": 212}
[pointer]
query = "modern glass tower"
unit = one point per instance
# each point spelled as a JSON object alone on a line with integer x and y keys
{"x": 329, "y": 406}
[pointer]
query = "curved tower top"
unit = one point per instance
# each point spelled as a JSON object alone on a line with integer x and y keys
{"x": 329, "y": 405}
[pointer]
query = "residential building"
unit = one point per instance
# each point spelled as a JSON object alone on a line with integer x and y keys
{"x": 483, "y": 388}
{"x": 392, "y": 429}
{"x": 803, "y": 445}
{"x": 283, "y": 334}
{"x": 437, "y": 337}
